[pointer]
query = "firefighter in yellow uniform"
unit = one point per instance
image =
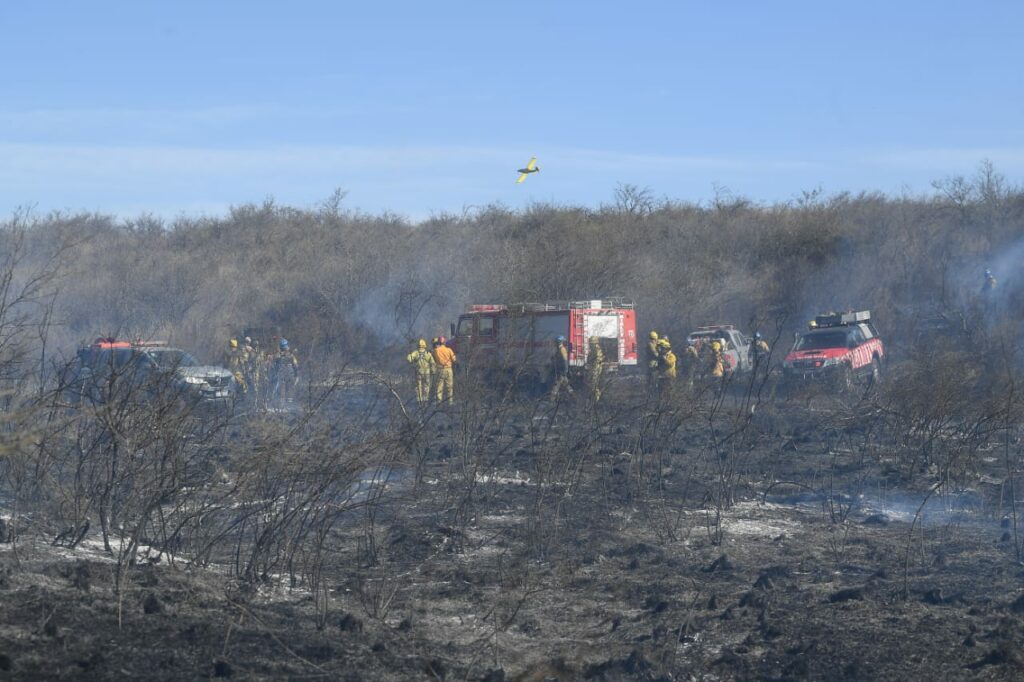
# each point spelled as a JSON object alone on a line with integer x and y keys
{"x": 445, "y": 359}
{"x": 560, "y": 368}
{"x": 594, "y": 368}
{"x": 667, "y": 371}
{"x": 717, "y": 359}
{"x": 425, "y": 365}
{"x": 691, "y": 360}
{"x": 236, "y": 361}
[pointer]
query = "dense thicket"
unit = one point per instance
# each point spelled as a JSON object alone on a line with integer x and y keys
{"x": 344, "y": 284}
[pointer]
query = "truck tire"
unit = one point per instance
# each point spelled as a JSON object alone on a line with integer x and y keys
{"x": 846, "y": 378}
{"x": 876, "y": 371}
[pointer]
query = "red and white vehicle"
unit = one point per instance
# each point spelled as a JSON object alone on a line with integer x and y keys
{"x": 520, "y": 338}
{"x": 840, "y": 347}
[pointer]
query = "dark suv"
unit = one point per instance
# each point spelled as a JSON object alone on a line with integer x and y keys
{"x": 109, "y": 369}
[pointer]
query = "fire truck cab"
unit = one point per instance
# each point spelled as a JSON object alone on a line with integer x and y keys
{"x": 519, "y": 338}
{"x": 840, "y": 347}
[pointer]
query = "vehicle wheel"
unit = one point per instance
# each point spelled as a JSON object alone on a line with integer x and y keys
{"x": 876, "y": 372}
{"x": 846, "y": 378}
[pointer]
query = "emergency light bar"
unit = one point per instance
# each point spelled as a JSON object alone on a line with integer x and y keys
{"x": 842, "y": 319}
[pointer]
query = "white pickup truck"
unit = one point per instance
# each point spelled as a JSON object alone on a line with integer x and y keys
{"x": 735, "y": 346}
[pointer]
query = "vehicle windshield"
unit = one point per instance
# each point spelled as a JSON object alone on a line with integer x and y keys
{"x": 171, "y": 358}
{"x": 114, "y": 357}
{"x": 712, "y": 336}
{"x": 821, "y": 340}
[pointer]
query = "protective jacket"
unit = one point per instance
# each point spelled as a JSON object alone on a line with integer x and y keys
{"x": 667, "y": 364}
{"x": 444, "y": 356}
{"x": 423, "y": 360}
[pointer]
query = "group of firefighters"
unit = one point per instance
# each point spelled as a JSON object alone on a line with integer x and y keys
{"x": 434, "y": 367}
{"x": 434, "y": 371}
{"x": 701, "y": 358}
{"x": 266, "y": 378}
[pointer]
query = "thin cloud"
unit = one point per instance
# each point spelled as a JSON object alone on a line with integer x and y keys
{"x": 947, "y": 159}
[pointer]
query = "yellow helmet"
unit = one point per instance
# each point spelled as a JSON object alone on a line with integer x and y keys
{"x": 716, "y": 345}
{"x": 422, "y": 344}
{"x": 654, "y": 335}
{"x": 594, "y": 341}
{"x": 234, "y": 343}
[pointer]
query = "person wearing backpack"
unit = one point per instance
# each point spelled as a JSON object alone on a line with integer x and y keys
{"x": 423, "y": 362}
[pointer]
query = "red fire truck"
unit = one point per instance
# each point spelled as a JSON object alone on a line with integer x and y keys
{"x": 519, "y": 338}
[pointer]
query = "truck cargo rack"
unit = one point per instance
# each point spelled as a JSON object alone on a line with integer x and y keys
{"x": 842, "y": 319}
{"x": 616, "y": 302}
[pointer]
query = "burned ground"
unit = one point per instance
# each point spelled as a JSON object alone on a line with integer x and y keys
{"x": 513, "y": 539}
{"x": 744, "y": 533}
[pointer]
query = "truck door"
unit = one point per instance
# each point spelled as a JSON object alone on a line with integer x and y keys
{"x": 606, "y": 327}
{"x": 487, "y": 339}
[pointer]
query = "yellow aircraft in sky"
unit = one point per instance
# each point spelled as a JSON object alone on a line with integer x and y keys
{"x": 531, "y": 167}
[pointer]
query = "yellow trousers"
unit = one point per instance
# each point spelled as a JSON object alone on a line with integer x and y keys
{"x": 422, "y": 387}
{"x": 445, "y": 382}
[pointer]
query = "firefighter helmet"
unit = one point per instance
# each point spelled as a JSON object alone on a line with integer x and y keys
{"x": 654, "y": 335}
{"x": 233, "y": 343}
{"x": 283, "y": 344}
{"x": 422, "y": 344}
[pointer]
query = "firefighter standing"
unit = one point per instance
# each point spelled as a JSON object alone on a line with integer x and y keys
{"x": 445, "y": 359}
{"x": 236, "y": 359}
{"x": 691, "y": 360}
{"x": 284, "y": 373}
{"x": 560, "y": 368}
{"x": 759, "y": 351}
{"x": 424, "y": 363}
{"x": 990, "y": 283}
{"x": 250, "y": 365}
{"x": 258, "y": 372}
{"x": 717, "y": 359}
{"x": 652, "y": 357}
{"x": 594, "y": 367}
{"x": 667, "y": 361}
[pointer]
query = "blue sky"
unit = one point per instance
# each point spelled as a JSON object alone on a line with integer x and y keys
{"x": 418, "y": 108}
